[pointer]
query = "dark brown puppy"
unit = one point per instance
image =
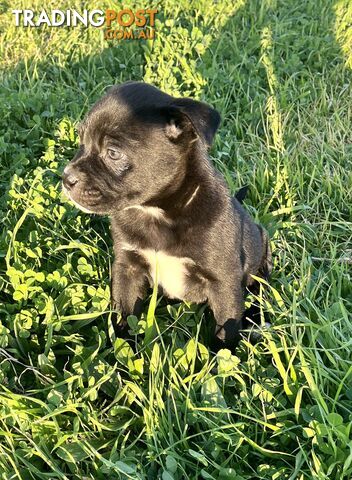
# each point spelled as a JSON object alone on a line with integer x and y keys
{"x": 143, "y": 161}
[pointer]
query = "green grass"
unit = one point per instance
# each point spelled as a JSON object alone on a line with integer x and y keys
{"x": 77, "y": 403}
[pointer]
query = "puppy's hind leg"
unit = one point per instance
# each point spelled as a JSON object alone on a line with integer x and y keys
{"x": 252, "y": 317}
{"x": 266, "y": 265}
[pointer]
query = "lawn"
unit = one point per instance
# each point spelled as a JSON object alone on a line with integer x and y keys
{"x": 78, "y": 403}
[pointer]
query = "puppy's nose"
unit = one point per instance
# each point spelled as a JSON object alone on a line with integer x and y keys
{"x": 69, "y": 179}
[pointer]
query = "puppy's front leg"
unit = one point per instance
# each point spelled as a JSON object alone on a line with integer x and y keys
{"x": 227, "y": 304}
{"x": 129, "y": 286}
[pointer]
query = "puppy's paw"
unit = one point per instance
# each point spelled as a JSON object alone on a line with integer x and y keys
{"x": 218, "y": 344}
{"x": 256, "y": 332}
{"x": 251, "y": 323}
{"x": 121, "y": 328}
{"x": 120, "y": 325}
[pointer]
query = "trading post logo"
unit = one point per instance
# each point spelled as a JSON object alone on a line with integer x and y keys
{"x": 117, "y": 24}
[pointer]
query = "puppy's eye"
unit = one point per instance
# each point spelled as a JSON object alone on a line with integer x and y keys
{"x": 114, "y": 154}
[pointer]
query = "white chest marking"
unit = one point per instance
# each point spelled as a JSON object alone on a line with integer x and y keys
{"x": 154, "y": 212}
{"x": 170, "y": 271}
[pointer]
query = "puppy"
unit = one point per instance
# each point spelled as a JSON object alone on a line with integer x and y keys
{"x": 143, "y": 161}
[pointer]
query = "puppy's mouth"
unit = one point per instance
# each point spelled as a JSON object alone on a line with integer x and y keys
{"x": 90, "y": 199}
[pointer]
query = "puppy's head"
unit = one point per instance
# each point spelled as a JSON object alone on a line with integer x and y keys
{"x": 134, "y": 146}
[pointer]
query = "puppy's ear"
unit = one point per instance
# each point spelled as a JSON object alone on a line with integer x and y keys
{"x": 177, "y": 125}
{"x": 187, "y": 115}
{"x": 205, "y": 119}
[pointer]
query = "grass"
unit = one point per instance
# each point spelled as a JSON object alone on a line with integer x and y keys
{"x": 77, "y": 403}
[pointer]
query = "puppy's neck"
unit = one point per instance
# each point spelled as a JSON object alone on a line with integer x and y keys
{"x": 199, "y": 199}
{"x": 199, "y": 188}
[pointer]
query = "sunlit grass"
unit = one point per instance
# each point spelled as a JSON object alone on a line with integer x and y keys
{"x": 78, "y": 403}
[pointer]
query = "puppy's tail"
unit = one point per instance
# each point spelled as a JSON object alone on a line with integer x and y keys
{"x": 241, "y": 194}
